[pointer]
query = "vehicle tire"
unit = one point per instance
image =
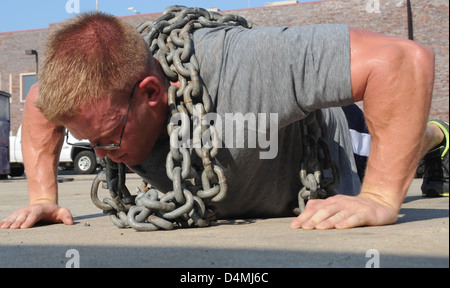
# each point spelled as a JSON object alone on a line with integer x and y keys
{"x": 85, "y": 162}
{"x": 17, "y": 171}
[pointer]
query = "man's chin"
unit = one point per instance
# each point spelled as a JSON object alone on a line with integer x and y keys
{"x": 133, "y": 161}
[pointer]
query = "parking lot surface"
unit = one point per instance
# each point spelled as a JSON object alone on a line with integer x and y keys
{"x": 420, "y": 238}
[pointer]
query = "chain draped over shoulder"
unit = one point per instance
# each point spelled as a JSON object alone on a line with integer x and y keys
{"x": 170, "y": 41}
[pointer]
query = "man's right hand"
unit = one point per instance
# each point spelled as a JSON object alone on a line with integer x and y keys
{"x": 28, "y": 216}
{"x": 41, "y": 145}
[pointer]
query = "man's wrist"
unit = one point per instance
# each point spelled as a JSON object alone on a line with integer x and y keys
{"x": 50, "y": 200}
{"x": 381, "y": 195}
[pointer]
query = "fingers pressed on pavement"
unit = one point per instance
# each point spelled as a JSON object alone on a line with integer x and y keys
{"x": 331, "y": 222}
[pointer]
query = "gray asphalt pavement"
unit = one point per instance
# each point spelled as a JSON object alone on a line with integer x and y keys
{"x": 420, "y": 238}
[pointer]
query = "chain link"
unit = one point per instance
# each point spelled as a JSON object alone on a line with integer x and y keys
{"x": 316, "y": 159}
{"x": 187, "y": 205}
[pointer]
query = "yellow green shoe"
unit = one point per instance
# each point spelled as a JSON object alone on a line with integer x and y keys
{"x": 435, "y": 176}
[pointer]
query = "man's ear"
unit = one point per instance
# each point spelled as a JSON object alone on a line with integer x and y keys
{"x": 153, "y": 88}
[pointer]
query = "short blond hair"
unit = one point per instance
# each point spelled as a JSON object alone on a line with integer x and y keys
{"x": 87, "y": 58}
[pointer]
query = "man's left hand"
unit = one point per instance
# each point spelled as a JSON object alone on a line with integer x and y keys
{"x": 343, "y": 212}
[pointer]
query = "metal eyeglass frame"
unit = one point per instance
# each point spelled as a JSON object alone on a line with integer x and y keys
{"x": 113, "y": 146}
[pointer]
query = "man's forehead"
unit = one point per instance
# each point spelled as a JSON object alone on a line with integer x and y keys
{"x": 94, "y": 119}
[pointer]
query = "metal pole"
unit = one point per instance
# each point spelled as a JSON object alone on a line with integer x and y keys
{"x": 96, "y": 5}
{"x": 37, "y": 64}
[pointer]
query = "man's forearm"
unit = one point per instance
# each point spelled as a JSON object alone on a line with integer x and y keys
{"x": 397, "y": 100}
{"x": 41, "y": 146}
{"x": 41, "y": 174}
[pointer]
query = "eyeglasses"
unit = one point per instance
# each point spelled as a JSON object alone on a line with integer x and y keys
{"x": 113, "y": 146}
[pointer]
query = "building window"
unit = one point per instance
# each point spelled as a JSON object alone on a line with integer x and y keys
{"x": 26, "y": 81}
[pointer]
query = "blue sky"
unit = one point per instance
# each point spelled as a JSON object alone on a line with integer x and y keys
{"x": 18, "y": 15}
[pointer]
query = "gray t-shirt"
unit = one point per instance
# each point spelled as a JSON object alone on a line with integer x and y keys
{"x": 280, "y": 72}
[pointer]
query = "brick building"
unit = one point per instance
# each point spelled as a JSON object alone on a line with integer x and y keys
{"x": 426, "y": 22}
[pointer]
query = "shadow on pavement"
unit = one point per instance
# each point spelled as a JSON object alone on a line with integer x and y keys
{"x": 25, "y": 256}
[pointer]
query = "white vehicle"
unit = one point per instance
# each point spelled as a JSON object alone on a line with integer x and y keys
{"x": 80, "y": 156}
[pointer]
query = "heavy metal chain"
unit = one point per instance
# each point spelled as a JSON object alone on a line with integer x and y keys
{"x": 316, "y": 159}
{"x": 170, "y": 40}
